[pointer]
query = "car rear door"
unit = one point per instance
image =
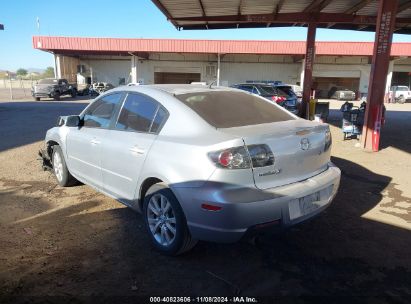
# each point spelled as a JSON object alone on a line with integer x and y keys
{"x": 129, "y": 141}
{"x": 83, "y": 145}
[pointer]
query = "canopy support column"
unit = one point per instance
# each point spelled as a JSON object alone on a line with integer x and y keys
{"x": 387, "y": 11}
{"x": 57, "y": 66}
{"x": 218, "y": 68}
{"x": 133, "y": 74}
{"x": 308, "y": 69}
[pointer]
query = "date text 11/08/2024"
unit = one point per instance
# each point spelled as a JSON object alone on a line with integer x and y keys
{"x": 203, "y": 300}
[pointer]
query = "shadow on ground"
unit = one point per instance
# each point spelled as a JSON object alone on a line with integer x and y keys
{"x": 22, "y": 123}
{"x": 75, "y": 251}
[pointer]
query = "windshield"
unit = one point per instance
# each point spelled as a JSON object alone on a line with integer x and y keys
{"x": 48, "y": 81}
{"x": 223, "y": 109}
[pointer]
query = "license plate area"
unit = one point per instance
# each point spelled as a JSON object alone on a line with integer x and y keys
{"x": 308, "y": 204}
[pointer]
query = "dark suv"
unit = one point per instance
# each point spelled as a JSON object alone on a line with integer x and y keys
{"x": 273, "y": 93}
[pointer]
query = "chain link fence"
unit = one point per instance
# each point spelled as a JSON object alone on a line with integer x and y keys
{"x": 14, "y": 89}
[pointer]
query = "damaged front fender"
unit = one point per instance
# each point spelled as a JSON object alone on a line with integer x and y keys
{"x": 45, "y": 159}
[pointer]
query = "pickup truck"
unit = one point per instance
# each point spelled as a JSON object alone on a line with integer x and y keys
{"x": 400, "y": 94}
{"x": 53, "y": 88}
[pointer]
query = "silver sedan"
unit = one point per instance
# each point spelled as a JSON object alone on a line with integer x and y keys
{"x": 200, "y": 163}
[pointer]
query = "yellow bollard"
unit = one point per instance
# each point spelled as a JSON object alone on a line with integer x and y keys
{"x": 312, "y": 108}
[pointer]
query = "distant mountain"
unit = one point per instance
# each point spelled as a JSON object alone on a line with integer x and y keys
{"x": 35, "y": 70}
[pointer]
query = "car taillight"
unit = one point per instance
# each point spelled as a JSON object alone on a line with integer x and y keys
{"x": 233, "y": 158}
{"x": 278, "y": 99}
{"x": 242, "y": 157}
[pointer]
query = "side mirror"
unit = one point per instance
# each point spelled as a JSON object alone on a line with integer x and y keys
{"x": 73, "y": 121}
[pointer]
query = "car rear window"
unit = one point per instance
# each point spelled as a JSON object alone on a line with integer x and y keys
{"x": 267, "y": 90}
{"x": 223, "y": 109}
{"x": 287, "y": 91}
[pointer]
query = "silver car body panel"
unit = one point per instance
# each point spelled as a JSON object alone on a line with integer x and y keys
{"x": 118, "y": 162}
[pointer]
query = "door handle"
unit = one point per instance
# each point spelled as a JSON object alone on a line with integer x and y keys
{"x": 95, "y": 142}
{"x": 136, "y": 150}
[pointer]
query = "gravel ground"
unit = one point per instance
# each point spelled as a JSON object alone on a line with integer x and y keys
{"x": 76, "y": 242}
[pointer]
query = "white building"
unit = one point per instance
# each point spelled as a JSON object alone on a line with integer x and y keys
{"x": 148, "y": 61}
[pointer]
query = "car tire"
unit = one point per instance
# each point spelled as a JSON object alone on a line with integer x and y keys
{"x": 37, "y": 98}
{"x": 56, "y": 96}
{"x": 165, "y": 221}
{"x": 73, "y": 93}
{"x": 401, "y": 99}
{"x": 60, "y": 170}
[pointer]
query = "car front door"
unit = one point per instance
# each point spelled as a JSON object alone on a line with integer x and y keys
{"x": 83, "y": 146}
{"x": 127, "y": 144}
{"x": 63, "y": 86}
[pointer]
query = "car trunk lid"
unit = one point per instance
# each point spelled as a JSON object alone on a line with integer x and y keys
{"x": 298, "y": 148}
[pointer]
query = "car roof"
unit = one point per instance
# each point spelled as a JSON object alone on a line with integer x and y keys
{"x": 255, "y": 83}
{"x": 176, "y": 89}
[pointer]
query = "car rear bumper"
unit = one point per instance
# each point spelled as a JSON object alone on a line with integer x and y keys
{"x": 347, "y": 97}
{"x": 248, "y": 209}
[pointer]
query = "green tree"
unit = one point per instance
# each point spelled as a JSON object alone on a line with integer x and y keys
{"x": 49, "y": 72}
{"x": 21, "y": 72}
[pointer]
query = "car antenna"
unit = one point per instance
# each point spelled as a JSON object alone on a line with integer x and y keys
{"x": 213, "y": 82}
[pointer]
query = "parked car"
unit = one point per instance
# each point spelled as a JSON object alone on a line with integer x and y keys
{"x": 243, "y": 165}
{"x": 53, "y": 88}
{"x": 273, "y": 93}
{"x": 83, "y": 89}
{"x": 340, "y": 93}
{"x": 101, "y": 87}
{"x": 402, "y": 94}
{"x": 288, "y": 89}
{"x": 296, "y": 89}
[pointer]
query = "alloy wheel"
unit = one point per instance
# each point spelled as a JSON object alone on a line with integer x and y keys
{"x": 161, "y": 219}
{"x": 58, "y": 166}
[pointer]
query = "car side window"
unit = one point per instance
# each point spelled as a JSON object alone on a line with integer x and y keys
{"x": 137, "y": 113}
{"x": 100, "y": 112}
{"x": 159, "y": 120}
{"x": 255, "y": 91}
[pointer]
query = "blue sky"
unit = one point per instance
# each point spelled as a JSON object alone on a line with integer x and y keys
{"x": 121, "y": 18}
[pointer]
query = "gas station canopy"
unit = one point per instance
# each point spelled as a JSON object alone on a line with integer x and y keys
{"x": 384, "y": 17}
{"x": 358, "y": 15}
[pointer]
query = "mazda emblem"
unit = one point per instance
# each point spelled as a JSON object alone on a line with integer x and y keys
{"x": 305, "y": 144}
